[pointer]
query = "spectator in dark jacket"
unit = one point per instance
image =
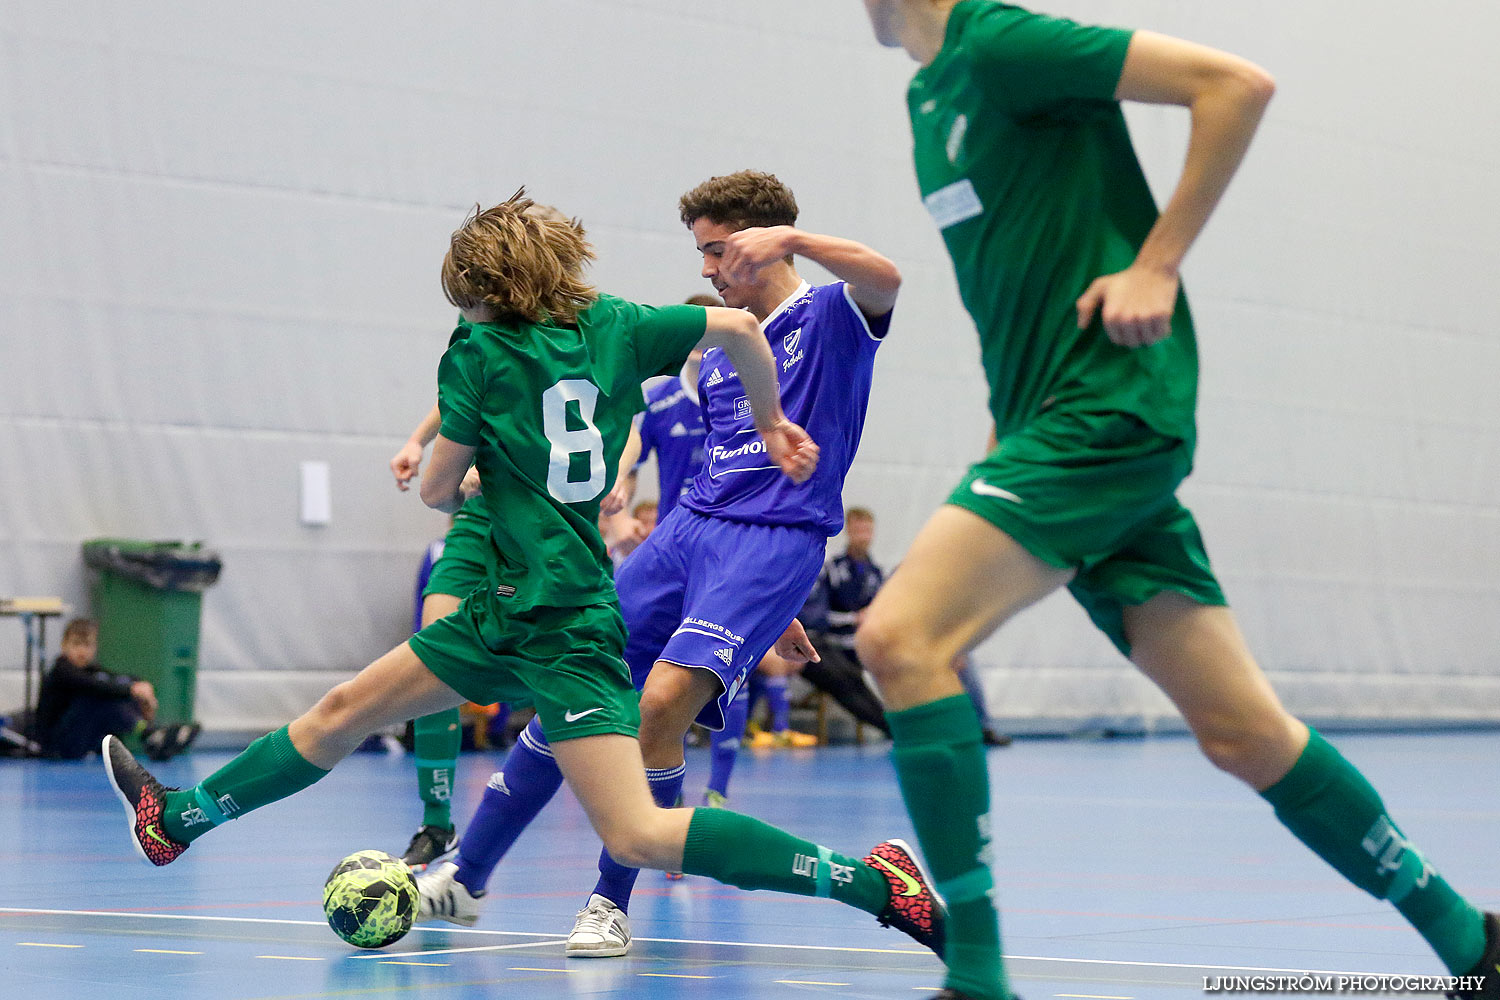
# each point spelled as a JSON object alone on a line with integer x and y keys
{"x": 81, "y": 702}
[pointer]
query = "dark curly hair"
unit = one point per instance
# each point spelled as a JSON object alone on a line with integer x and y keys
{"x": 742, "y": 199}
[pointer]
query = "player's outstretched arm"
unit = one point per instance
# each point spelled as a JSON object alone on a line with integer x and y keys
{"x": 873, "y": 279}
{"x": 407, "y": 462}
{"x": 1226, "y": 96}
{"x": 441, "y": 487}
{"x": 737, "y": 332}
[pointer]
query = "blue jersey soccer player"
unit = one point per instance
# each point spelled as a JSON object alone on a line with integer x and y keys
{"x": 711, "y": 590}
{"x": 672, "y": 428}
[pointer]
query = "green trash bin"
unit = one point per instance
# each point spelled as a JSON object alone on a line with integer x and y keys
{"x": 148, "y": 598}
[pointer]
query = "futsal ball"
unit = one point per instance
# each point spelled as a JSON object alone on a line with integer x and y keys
{"x": 370, "y": 899}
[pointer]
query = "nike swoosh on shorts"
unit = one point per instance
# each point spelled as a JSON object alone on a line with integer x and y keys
{"x": 574, "y": 717}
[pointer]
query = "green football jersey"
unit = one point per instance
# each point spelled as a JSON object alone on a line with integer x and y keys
{"x": 548, "y": 409}
{"x": 1024, "y": 161}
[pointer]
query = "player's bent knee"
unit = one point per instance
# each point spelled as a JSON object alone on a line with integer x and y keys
{"x": 337, "y": 712}
{"x": 1228, "y": 755}
{"x": 667, "y": 709}
{"x": 887, "y": 650}
{"x": 1255, "y": 756}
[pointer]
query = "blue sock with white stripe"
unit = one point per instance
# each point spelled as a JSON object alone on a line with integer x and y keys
{"x": 516, "y": 793}
{"x": 615, "y": 880}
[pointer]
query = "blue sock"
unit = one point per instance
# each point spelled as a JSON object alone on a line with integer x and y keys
{"x": 781, "y": 708}
{"x": 724, "y": 746}
{"x": 615, "y": 880}
{"x": 515, "y": 795}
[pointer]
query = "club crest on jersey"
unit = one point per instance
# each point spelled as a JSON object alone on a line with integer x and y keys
{"x": 727, "y": 655}
{"x": 790, "y": 342}
{"x": 714, "y": 378}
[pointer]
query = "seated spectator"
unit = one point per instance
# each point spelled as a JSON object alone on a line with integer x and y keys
{"x": 838, "y": 673}
{"x": 81, "y": 703}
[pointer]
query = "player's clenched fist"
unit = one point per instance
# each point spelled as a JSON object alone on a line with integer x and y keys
{"x": 792, "y": 449}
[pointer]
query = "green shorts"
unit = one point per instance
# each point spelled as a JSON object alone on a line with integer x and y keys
{"x": 564, "y": 661}
{"x": 1096, "y": 492}
{"x": 462, "y": 568}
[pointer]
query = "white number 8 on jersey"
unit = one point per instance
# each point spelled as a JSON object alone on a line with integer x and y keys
{"x": 566, "y": 443}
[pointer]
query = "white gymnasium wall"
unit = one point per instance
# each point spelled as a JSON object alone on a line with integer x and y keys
{"x": 219, "y": 238}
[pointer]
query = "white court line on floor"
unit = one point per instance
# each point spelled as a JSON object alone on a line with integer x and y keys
{"x": 247, "y": 920}
{"x": 452, "y": 951}
{"x": 722, "y": 944}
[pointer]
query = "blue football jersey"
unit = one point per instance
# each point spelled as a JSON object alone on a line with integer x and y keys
{"x": 825, "y": 357}
{"x": 672, "y": 426}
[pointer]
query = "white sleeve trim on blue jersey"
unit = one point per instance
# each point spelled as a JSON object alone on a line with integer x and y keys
{"x": 863, "y": 321}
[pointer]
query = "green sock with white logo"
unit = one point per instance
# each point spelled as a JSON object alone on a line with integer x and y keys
{"x": 938, "y": 752}
{"x": 749, "y": 854}
{"x": 269, "y": 769}
{"x": 1332, "y": 809}
{"x": 436, "y": 740}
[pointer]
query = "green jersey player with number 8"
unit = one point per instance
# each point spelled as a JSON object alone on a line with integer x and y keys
{"x": 538, "y": 395}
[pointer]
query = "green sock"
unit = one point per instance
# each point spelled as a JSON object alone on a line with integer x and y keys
{"x": 749, "y": 854}
{"x": 269, "y": 769}
{"x": 1332, "y": 809}
{"x": 940, "y": 764}
{"x": 436, "y": 739}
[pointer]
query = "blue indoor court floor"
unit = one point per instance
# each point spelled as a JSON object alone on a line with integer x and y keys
{"x": 1127, "y": 869}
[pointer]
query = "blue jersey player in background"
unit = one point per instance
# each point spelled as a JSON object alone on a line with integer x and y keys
{"x": 672, "y": 429}
{"x": 716, "y": 585}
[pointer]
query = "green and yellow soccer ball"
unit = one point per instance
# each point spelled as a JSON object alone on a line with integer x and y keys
{"x": 370, "y": 899}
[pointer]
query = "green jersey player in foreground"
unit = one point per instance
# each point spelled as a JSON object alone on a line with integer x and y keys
{"x": 1024, "y": 160}
{"x": 537, "y": 394}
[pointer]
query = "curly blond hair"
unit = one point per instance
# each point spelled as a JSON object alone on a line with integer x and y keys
{"x": 523, "y": 259}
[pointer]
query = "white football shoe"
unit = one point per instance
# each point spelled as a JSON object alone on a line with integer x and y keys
{"x": 601, "y": 931}
{"x": 445, "y": 898}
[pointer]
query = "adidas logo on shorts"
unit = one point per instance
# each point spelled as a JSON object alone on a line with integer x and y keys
{"x": 727, "y": 655}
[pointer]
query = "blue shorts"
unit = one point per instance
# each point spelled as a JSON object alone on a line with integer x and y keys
{"x": 711, "y": 594}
